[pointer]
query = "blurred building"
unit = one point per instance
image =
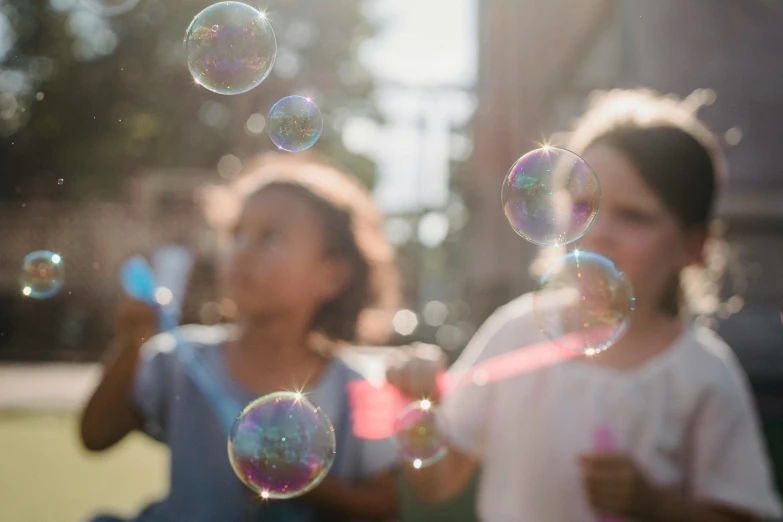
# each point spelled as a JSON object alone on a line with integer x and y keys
{"x": 94, "y": 239}
{"x": 540, "y": 60}
{"x": 164, "y": 207}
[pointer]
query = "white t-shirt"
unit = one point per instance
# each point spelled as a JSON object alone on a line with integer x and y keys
{"x": 686, "y": 417}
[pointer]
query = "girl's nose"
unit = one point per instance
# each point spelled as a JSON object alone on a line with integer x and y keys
{"x": 599, "y": 238}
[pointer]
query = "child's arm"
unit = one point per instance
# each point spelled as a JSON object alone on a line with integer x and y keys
{"x": 415, "y": 373}
{"x": 110, "y": 414}
{"x": 372, "y": 499}
{"x": 444, "y": 479}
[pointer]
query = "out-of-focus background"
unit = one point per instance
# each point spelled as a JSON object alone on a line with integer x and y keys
{"x": 106, "y": 143}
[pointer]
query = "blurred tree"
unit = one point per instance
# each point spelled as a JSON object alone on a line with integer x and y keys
{"x": 91, "y": 96}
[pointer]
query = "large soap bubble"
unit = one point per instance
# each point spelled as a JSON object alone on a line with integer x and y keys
{"x": 584, "y": 299}
{"x": 551, "y": 196}
{"x": 281, "y": 445}
{"x": 231, "y": 47}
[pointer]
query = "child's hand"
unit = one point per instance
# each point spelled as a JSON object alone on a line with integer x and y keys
{"x": 414, "y": 370}
{"x": 614, "y": 485}
{"x": 135, "y": 322}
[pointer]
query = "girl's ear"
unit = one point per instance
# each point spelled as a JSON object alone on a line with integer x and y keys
{"x": 337, "y": 276}
{"x": 695, "y": 243}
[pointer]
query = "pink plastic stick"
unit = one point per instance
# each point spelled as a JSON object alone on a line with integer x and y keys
{"x": 374, "y": 408}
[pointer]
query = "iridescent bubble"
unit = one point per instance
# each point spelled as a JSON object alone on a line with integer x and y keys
{"x": 583, "y": 302}
{"x": 281, "y": 445}
{"x": 418, "y": 438}
{"x": 551, "y": 196}
{"x": 295, "y": 123}
{"x": 231, "y": 47}
{"x": 42, "y": 274}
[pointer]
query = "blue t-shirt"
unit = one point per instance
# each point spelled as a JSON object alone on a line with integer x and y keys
{"x": 204, "y": 487}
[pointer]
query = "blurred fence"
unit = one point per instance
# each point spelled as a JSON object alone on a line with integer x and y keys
{"x": 93, "y": 240}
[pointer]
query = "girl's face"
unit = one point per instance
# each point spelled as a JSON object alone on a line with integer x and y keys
{"x": 636, "y": 231}
{"x": 275, "y": 263}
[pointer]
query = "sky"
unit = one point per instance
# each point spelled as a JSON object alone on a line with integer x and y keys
{"x": 421, "y": 47}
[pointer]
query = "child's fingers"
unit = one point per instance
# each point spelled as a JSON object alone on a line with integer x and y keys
{"x": 429, "y": 352}
{"x": 131, "y": 306}
{"x": 613, "y": 484}
{"x": 135, "y": 320}
{"x": 606, "y": 491}
{"x": 605, "y": 461}
{"x": 414, "y": 370}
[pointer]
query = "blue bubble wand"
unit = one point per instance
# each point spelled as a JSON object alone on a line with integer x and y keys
{"x": 138, "y": 281}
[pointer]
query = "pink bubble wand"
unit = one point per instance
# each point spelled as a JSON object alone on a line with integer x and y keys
{"x": 375, "y": 407}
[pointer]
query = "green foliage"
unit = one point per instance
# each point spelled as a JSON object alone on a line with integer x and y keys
{"x": 114, "y": 94}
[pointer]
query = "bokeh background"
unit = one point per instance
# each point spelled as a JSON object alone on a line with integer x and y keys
{"x": 106, "y": 144}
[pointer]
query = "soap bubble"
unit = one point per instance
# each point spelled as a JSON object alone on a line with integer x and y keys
{"x": 418, "y": 438}
{"x": 281, "y": 445}
{"x": 551, "y": 196}
{"x": 42, "y": 274}
{"x": 231, "y": 47}
{"x": 583, "y": 302}
{"x": 295, "y": 123}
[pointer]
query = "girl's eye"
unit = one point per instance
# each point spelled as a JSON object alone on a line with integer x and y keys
{"x": 239, "y": 238}
{"x": 271, "y": 238}
{"x": 264, "y": 238}
{"x": 636, "y": 216}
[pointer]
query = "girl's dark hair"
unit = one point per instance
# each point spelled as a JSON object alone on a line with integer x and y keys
{"x": 676, "y": 155}
{"x": 352, "y": 232}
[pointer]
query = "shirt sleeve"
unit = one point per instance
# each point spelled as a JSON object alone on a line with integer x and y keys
{"x": 731, "y": 466}
{"x": 151, "y": 385}
{"x": 464, "y": 411}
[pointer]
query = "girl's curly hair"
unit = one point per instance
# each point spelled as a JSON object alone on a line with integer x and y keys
{"x": 352, "y": 227}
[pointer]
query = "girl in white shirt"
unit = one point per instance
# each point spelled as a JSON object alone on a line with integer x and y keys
{"x": 687, "y": 438}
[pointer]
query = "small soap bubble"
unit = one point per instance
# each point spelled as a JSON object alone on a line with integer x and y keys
{"x": 60, "y": 181}
{"x": 295, "y": 123}
{"x": 231, "y": 48}
{"x": 42, "y": 274}
{"x": 583, "y": 302}
{"x": 281, "y": 446}
{"x": 551, "y": 196}
{"x": 418, "y": 438}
